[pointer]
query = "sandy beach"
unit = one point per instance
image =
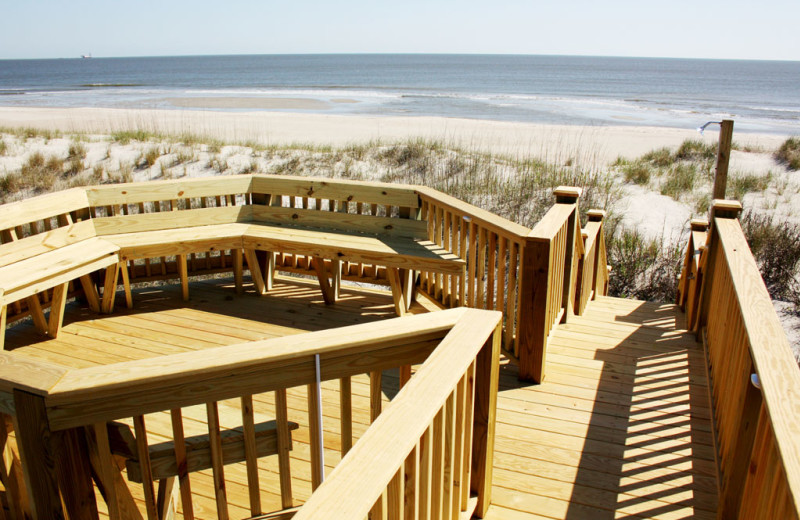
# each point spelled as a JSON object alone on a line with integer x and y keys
{"x": 600, "y": 144}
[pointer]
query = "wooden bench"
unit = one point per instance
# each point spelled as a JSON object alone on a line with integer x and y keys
{"x": 400, "y": 245}
{"x": 267, "y": 226}
{"x": 31, "y": 270}
{"x": 262, "y": 220}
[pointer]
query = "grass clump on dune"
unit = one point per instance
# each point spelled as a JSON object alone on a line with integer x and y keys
{"x": 789, "y": 153}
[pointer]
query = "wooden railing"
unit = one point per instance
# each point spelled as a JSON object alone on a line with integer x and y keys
{"x": 432, "y": 446}
{"x": 492, "y": 247}
{"x": 754, "y": 379}
{"x": 53, "y": 406}
{"x": 535, "y": 277}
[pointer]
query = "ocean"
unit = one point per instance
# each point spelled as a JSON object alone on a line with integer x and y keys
{"x": 761, "y": 96}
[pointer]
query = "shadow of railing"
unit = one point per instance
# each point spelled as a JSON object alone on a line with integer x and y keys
{"x": 649, "y": 449}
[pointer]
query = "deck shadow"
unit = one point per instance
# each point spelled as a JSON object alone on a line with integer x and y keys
{"x": 657, "y": 439}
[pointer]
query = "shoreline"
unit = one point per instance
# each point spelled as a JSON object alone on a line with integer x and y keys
{"x": 599, "y": 144}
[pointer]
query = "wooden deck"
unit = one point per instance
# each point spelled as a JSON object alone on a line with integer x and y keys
{"x": 619, "y": 429}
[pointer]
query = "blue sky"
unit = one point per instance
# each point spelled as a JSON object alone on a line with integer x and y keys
{"x": 735, "y": 29}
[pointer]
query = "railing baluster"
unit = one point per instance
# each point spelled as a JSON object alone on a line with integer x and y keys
{"x": 472, "y": 277}
{"x": 458, "y": 440}
{"x": 449, "y": 465}
{"x": 346, "y": 414}
{"x": 466, "y": 467}
{"x": 425, "y": 487}
{"x": 491, "y": 275}
{"x": 105, "y": 469}
{"x": 284, "y": 446}
{"x": 411, "y": 485}
{"x": 480, "y": 303}
{"x": 375, "y": 395}
{"x": 144, "y": 462}
{"x": 395, "y": 496}
{"x": 179, "y": 443}
{"x": 249, "y": 430}
{"x": 437, "y": 474}
{"x": 217, "y": 464}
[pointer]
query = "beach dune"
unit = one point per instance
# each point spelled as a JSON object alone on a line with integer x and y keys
{"x": 600, "y": 144}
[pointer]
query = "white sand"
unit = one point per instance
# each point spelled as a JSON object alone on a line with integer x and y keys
{"x": 601, "y": 144}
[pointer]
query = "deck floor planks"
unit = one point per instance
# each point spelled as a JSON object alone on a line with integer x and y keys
{"x": 619, "y": 429}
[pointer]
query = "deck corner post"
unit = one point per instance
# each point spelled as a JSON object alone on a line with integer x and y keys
{"x": 569, "y": 195}
{"x": 487, "y": 375}
{"x": 597, "y": 215}
{"x": 37, "y": 455}
{"x": 535, "y": 273}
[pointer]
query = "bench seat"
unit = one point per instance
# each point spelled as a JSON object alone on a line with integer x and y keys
{"x": 55, "y": 268}
{"x": 398, "y": 253}
{"x": 389, "y": 251}
{"x": 179, "y": 241}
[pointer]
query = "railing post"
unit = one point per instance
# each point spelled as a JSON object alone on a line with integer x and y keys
{"x": 535, "y": 273}
{"x": 536, "y": 285}
{"x": 487, "y": 375}
{"x": 719, "y": 209}
{"x": 569, "y": 195}
{"x": 35, "y": 441}
{"x": 597, "y": 215}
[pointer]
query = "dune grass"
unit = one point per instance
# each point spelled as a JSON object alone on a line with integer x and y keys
{"x": 789, "y": 153}
{"x": 519, "y": 189}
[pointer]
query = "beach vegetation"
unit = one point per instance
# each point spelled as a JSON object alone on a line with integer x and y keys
{"x": 3, "y": 147}
{"x": 789, "y": 153}
{"x": 645, "y": 269}
{"x": 637, "y": 172}
{"x": 680, "y": 179}
{"x": 98, "y": 173}
{"x": 660, "y": 158}
{"x": 26, "y": 133}
{"x": 742, "y": 184}
{"x": 124, "y": 137}
{"x": 696, "y": 150}
{"x": 776, "y": 248}
{"x": 151, "y": 156}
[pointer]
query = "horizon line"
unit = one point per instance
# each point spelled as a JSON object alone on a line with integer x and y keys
{"x": 556, "y": 55}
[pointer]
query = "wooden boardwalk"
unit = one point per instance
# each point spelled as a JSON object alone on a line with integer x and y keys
{"x": 619, "y": 429}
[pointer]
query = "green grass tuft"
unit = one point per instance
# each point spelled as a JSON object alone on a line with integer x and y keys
{"x": 789, "y": 153}
{"x": 637, "y": 173}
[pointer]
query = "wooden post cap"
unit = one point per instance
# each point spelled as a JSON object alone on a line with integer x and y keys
{"x": 596, "y": 215}
{"x": 567, "y": 194}
{"x": 699, "y": 224}
{"x": 725, "y": 208}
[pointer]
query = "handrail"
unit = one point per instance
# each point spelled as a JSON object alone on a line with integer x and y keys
{"x": 756, "y": 427}
{"x": 425, "y": 442}
{"x": 51, "y": 404}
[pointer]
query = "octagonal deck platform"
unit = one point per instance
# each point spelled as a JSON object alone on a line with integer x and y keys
{"x": 619, "y": 429}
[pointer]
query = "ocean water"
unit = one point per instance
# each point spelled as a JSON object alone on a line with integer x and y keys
{"x": 760, "y": 96}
